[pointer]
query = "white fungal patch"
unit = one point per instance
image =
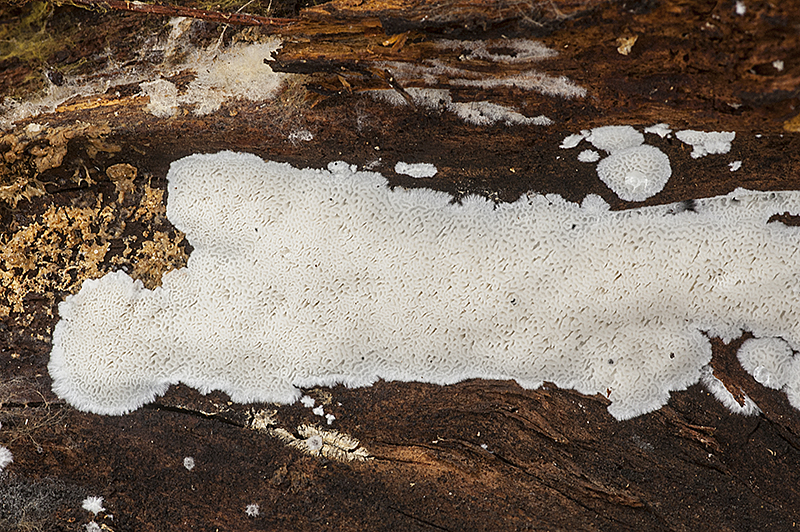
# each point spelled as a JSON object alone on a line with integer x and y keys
{"x": 481, "y": 113}
{"x": 416, "y": 170}
{"x": 305, "y": 278}
{"x": 573, "y": 140}
{"x": 188, "y": 463}
{"x": 770, "y": 361}
{"x": 662, "y": 130}
{"x": 705, "y": 142}
{"x": 5, "y": 457}
{"x": 615, "y": 138}
{"x": 93, "y": 504}
{"x": 252, "y": 510}
{"x": 636, "y": 173}
{"x": 471, "y": 72}
{"x": 163, "y": 96}
{"x": 633, "y": 170}
{"x": 221, "y": 74}
{"x": 588, "y": 156}
{"x": 307, "y": 401}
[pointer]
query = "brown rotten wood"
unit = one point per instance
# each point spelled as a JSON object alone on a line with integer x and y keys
{"x": 84, "y": 195}
{"x": 168, "y": 10}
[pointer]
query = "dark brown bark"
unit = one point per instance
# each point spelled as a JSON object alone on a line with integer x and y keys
{"x": 479, "y": 455}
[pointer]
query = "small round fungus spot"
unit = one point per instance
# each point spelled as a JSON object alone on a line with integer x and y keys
{"x": 635, "y": 174}
{"x": 251, "y": 510}
{"x": 314, "y": 443}
{"x": 188, "y": 463}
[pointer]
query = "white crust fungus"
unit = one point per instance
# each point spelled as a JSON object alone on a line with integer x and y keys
{"x": 481, "y": 113}
{"x": 304, "y": 278}
{"x": 704, "y": 143}
{"x": 636, "y": 173}
{"x": 615, "y": 138}
{"x": 571, "y": 141}
{"x": 633, "y": 170}
{"x": 416, "y": 170}
{"x": 772, "y": 363}
{"x": 588, "y": 156}
{"x": 662, "y": 130}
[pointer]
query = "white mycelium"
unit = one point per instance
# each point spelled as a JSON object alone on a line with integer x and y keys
{"x": 636, "y": 173}
{"x": 705, "y": 142}
{"x": 773, "y": 363}
{"x": 633, "y": 170}
{"x": 303, "y": 278}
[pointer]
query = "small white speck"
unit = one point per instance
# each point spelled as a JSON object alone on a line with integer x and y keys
{"x": 588, "y": 156}
{"x": 300, "y": 135}
{"x": 5, "y": 457}
{"x": 251, "y": 510}
{"x": 484, "y": 446}
{"x": 735, "y": 165}
{"x": 741, "y": 9}
{"x": 93, "y": 504}
{"x": 330, "y": 418}
{"x": 91, "y": 526}
{"x": 319, "y": 411}
{"x": 315, "y": 443}
{"x": 778, "y": 64}
{"x": 188, "y": 463}
{"x": 307, "y": 401}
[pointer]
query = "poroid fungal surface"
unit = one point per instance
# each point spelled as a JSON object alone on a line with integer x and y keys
{"x": 304, "y": 278}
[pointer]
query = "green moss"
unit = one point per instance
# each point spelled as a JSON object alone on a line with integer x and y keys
{"x": 27, "y": 39}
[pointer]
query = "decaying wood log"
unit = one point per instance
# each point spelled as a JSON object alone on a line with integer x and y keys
{"x": 82, "y": 191}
